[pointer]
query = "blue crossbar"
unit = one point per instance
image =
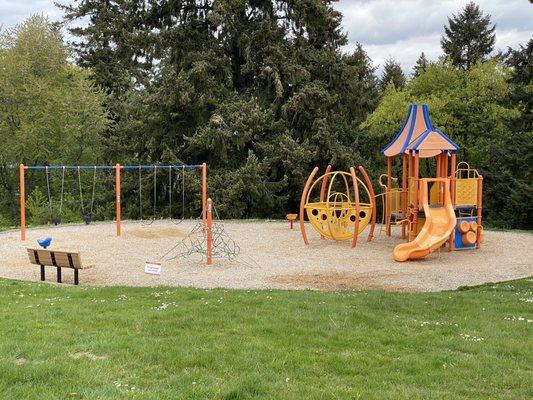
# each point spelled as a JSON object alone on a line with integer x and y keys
{"x": 162, "y": 166}
{"x": 93, "y": 167}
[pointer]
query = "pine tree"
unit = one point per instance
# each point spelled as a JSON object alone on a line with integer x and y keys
{"x": 109, "y": 46}
{"x": 421, "y": 65}
{"x": 520, "y": 62}
{"x": 392, "y": 72}
{"x": 468, "y": 38}
{"x": 260, "y": 90}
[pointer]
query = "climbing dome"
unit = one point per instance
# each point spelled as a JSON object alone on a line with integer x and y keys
{"x": 339, "y": 205}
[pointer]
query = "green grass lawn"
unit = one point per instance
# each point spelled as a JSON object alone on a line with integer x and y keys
{"x": 61, "y": 342}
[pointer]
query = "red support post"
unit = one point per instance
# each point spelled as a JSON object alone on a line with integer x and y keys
{"x": 323, "y": 187}
{"x": 416, "y": 175}
{"x": 404, "y": 191}
{"x": 479, "y": 209}
{"x": 118, "y": 200}
{"x": 209, "y": 232}
{"x": 357, "y": 207}
{"x": 453, "y": 160}
{"x": 388, "y": 198}
{"x": 204, "y": 192}
{"x": 368, "y": 183}
{"x": 22, "y": 191}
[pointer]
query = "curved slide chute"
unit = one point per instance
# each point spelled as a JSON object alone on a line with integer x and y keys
{"x": 439, "y": 225}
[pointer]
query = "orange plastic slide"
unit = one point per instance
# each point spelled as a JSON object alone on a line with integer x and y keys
{"x": 440, "y": 222}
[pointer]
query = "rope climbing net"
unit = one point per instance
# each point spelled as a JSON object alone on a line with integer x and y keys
{"x": 222, "y": 246}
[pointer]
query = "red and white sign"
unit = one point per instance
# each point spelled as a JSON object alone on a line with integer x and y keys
{"x": 152, "y": 268}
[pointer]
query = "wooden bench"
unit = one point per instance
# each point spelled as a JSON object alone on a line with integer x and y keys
{"x": 58, "y": 259}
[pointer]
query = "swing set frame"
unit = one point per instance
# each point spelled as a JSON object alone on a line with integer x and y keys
{"x": 118, "y": 201}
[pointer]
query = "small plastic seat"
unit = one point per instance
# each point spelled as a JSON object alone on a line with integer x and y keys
{"x": 44, "y": 243}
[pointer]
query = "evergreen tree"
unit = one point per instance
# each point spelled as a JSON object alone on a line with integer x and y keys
{"x": 512, "y": 177}
{"x": 421, "y": 65}
{"x": 110, "y": 44}
{"x": 117, "y": 47}
{"x": 468, "y": 38}
{"x": 392, "y": 72}
{"x": 520, "y": 63}
{"x": 258, "y": 89}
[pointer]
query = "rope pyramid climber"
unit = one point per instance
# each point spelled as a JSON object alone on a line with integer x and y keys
{"x": 196, "y": 242}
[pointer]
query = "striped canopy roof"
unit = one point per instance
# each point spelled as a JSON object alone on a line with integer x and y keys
{"x": 418, "y": 135}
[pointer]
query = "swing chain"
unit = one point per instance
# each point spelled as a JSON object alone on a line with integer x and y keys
{"x": 182, "y": 192}
{"x": 81, "y": 193}
{"x": 170, "y": 191}
{"x": 140, "y": 195}
{"x": 62, "y": 191}
{"x": 154, "y": 195}
{"x": 94, "y": 186}
{"x": 48, "y": 190}
{"x": 155, "y": 191}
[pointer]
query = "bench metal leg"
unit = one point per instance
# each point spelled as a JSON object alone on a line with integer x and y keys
{"x": 58, "y": 274}
{"x": 42, "y": 272}
{"x": 76, "y": 280}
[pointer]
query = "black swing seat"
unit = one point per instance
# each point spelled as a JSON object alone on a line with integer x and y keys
{"x": 58, "y": 259}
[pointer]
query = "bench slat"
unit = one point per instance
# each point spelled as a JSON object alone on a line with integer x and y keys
{"x": 61, "y": 258}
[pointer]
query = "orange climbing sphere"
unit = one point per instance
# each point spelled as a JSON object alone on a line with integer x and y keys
{"x": 335, "y": 202}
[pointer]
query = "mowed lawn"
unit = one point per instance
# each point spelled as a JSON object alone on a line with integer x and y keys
{"x": 61, "y": 342}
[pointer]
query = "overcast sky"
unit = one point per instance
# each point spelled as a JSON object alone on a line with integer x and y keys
{"x": 400, "y": 29}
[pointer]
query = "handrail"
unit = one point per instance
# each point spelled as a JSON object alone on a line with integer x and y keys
{"x": 471, "y": 173}
{"x": 381, "y": 182}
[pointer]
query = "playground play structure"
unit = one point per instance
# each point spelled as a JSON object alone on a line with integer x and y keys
{"x": 431, "y": 211}
{"x": 333, "y": 205}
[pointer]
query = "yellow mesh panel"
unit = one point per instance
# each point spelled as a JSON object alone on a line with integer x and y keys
{"x": 396, "y": 201}
{"x": 466, "y": 192}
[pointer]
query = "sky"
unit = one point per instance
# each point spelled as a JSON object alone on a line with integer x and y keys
{"x": 402, "y": 29}
{"x": 398, "y": 29}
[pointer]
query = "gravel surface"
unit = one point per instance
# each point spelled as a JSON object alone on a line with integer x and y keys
{"x": 272, "y": 256}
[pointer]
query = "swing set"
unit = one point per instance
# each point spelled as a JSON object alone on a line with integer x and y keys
{"x": 87, "y": 209}
{"x": 56, "y": 220}
{"x": 171, "y": 183}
